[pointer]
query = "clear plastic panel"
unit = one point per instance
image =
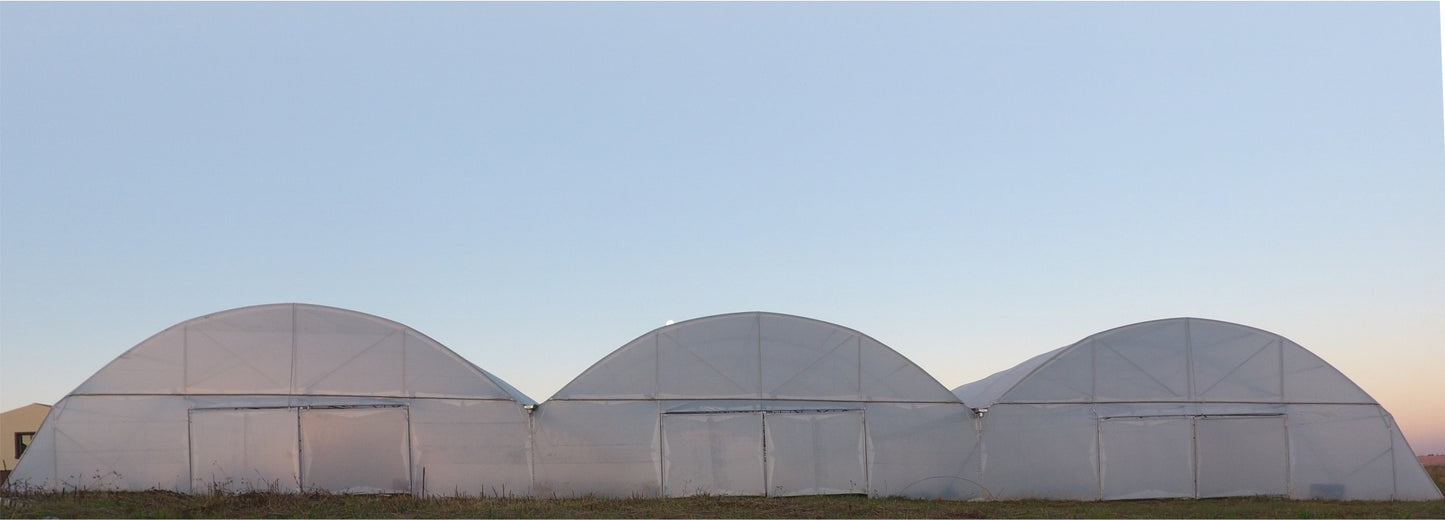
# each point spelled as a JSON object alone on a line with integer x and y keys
{"x": 470, "y": 448}
{"x": 807, "y": 359}
{"x": 244, "y": 351}
{"x": 244, "y": 450}
{"x": 922, "y": 451}
{"x": 811, "y": 453}
{"x": 712, "y": 454}
{"x": 1146, "y": 458}
{"x": 1241, "y": 456}
{"x": 1145, "y": 362}
{"x": 609, "y": 448}
{"x": 128, "y": 443}
{"x": 1040, "y": 451}
{"x": 355, "y": 450}
{"x": 709, "y": 358}
{"x": 154, "y": 366}
{"x": 1234, "y": 363}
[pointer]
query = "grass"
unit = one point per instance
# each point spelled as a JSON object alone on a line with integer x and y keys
{"x": 160, "y": 504}
{"x": 165, "y": 504}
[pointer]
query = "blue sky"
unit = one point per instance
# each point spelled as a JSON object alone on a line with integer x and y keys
{"x": 535, "y": 184}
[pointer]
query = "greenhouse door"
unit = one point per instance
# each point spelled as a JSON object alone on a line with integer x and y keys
{"x": 816, "y": 453}
{"x": 1242, "y": 456}
{"x": 240, "y": 450}
{"x": 356, "y": 450}
{"x": 712, "y": 453}
{"x": 1200, "y": 456}
{"x": 1146, "y": 457}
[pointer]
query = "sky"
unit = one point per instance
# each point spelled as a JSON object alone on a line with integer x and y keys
{"x": 536, "y": 184}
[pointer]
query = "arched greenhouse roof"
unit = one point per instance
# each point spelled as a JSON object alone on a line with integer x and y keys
{"x": 1171, "y": 360}
{"x": 756, "y": 355}
{"x": 295, "y": 349}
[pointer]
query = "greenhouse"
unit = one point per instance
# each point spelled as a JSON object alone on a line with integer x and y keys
{"x": 286, "y": 398}
{"x": 754, "y": 404}
{"x": 1187, "y": 407}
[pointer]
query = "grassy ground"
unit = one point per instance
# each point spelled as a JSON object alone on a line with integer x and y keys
{"x": 262, "y": 505}
{"x": 160, "y": 504}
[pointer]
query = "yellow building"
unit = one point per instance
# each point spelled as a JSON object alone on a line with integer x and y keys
{"x": 17, "y": 427}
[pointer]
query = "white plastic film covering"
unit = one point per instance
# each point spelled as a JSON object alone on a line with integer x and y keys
{"x": 802, "y": 359}
{"x": 1241, "y": 456}
{"x": 1340, "y": 452}
{"x": 154, "y": 366}
{"x": 295, "y": 349}
{"x": 755, "y": 355}
{"x": 990, "y": 389}
{"x": 243, "y": 351}
{"x": 923, "y": 451}
{"x": 1146, "y": 458}
{"x": 473, "y": 448}
{"x": 1067, "y": 377}
{"x": 355, "y": 450}
{"x": 35, "y": 471}
{"x": 1309, "y": 379}
{"x": 1040, "y": 451}
{"x": 813, "y": 453}
{"x": 717, "y": 358}
{"x": 1148, "y": 363}
{"x": 610, "y": 448}
{"x": 128, "y": 443}
{"x": 242, "y": 450}
{"x": 341, "y": 354}
{"x": 432, "y": 370}
{"x": 714, "y": 454}
{"x": 888, "y": 376}
{"x": 1233, "y": 363}
{"x": 628, "y": 373}
{"x": 1182, "y": 359}
{"x": 1411, "y": 480}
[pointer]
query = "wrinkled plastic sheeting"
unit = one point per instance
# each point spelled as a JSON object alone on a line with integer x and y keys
{"x": 815, "y": 453}
{"x": 923, "y": 450}
{"x": 1241, "y": 456}
{"x": 243, "y": 450}
{"x": 1040, "y": 451}
{"x": 470, "y": 448}
{"x": 607, "y": 448}
{"x": 125, "y": 443}
{"x": 1341, "y": 453}
{"x": 712, "y": 454}
{"x": 1146, "y": 458}
{"x": 1411, "y": 480}
{"x": 356, "y": 450}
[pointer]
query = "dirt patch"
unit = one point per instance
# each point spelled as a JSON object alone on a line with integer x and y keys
{"x": 1432, "y": 460}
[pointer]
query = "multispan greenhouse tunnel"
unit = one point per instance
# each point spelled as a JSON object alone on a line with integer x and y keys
{"x": 299, "y": 398}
